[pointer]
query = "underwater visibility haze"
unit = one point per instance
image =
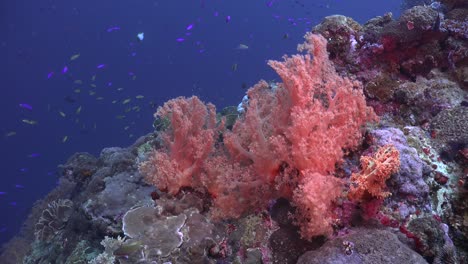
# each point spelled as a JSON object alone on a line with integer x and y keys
{"x": 217, "y": 131}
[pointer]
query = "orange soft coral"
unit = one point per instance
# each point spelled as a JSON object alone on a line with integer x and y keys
{"x": 370, "y": 182}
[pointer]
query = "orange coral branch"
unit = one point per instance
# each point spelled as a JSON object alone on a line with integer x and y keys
{"x": 370, "y": 182}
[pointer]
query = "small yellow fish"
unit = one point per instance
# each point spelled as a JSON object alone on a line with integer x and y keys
{"x": 62, "y": 114}
{"x": 126, "y": 101}
{"x": 78, "y": 110}
{"x": 93, "y": 85}
{"x": 134, "y": 77}
{"x": 10, "y": 134}
{"x": 74, "y": 57}
{"x": 99, "y": 98}
{"x": 234, "y": 67}
{"x": 93, "y": 78}
{"x": 92, "y": 93}
{"x": 64, "y": 139}
{"x": 29, "y": 122}
{"x": 78, "y": 82}
{"x": 120, "y": 89}
{"x": 139, "y": 97}
{"x": 128, "y": 109}
{"x": 130, "y": 136}
{"x": 126, "y": 128}
{"x": 115, "y": 101}
{"x": 120, "y": 117}
{"x": 77, "y": 90}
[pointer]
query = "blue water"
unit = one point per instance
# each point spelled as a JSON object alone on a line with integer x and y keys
{"x": 39, "y": 37}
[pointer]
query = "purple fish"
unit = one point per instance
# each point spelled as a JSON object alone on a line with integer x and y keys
{"x": 19, "y": 186}
{"x": 189, "y": 27}
{"x": 50, "y": 74}
{"x": 34, "y": 155}
{"x": 228, "y": 18}
{"x": 100, "y": 66}
{"x": 65, "y": 70}
{"x": 269, "y": 3}
{"x": 180, "y": 39}
{"x": 113, "y": 29}
{"x": 25, "y": 106}
{"x": 3, "y": 193}
{"x": 216, "y": 13}
{"x": 24, "y": 169}
{"x": 13, "y": 203}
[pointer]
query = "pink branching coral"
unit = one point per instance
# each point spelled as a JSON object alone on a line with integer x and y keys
{"x": 305, "y": 123}
{"x": 326, "y": 110}
{"x": 314, "y": 197}
{"x": 287, "y": 143}
{"x": 370, "y": 182}
{"x": 187, "y": 142}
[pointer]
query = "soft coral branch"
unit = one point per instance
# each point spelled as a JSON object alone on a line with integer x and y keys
{"x": 370, "y": 182}
{"x": 326, "y": 110}
{"x": 187, "y": 143}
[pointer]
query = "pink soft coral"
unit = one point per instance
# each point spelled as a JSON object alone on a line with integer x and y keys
{"x": 302, "y": 125}
{"x": 187, "y": 143}
{"x": 326, "y": 110}
{"x": 286, "y": 144}
{"x": 314, "y": 197}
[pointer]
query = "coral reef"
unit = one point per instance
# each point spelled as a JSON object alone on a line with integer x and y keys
{"x": 369, "y": 246}
{"x": 302, "y": 171}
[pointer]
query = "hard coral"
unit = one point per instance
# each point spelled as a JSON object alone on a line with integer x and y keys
{"x": 53, "y": 219}
{"x": 343, "y": 35}
{"x": 160, "y": 234}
